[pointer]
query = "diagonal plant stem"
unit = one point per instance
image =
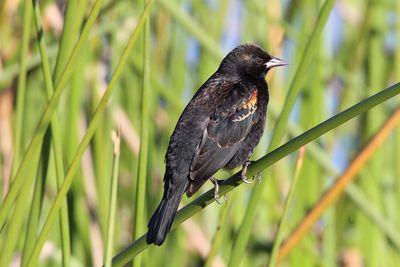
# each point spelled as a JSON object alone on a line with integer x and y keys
{"x": 55, "y": 135}
{"x": 86, "y": 139}
{"x": 15, "y": 224}
{"x": 72, "y": 22}
{"x": 23, "y": 172}
{"x": 266, "y": 161}
{"x": 340, "y": 185}
{"x": 21, "y": 84}
{"x": 35, "y": 208}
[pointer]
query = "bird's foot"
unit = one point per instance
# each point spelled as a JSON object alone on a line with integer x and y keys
{"x": 244, "y": 171}
{"x": 216, "y": 183}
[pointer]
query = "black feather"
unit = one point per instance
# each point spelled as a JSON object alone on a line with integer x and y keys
{"x": 219, "y": 128}
{"x": 161, "y": 221}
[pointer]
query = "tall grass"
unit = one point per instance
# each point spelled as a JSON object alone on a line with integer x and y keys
{"x": 73, "y": 71}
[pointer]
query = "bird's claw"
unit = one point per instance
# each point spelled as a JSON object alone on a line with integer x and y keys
{"x": 216, "y": 190}
{"x": 245, "y": 180}
{"x": 216, "y": 195}
{"x": 244, "y": 171}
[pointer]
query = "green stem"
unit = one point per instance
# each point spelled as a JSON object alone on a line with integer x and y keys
{"x": 37, "y": 201}
{"x": 86, "y": 139}
{"x": 21, "y": 85}
{"x": 15, "y": 223}
{"x": 55, "y": 135}
{"x": 72, "y": 22}
{"x": 113, "y": 202}
{"x": 139, "y": 220}
{"x": 23, "y": 172}
{"x": 266, "y": 161}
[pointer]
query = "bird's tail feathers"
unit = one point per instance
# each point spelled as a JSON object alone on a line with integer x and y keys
{"x": 161, "y": 221}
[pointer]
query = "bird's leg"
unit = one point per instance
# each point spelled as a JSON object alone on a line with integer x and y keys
{"x": 216, "y": 183}
{"x": 244, "y": 171}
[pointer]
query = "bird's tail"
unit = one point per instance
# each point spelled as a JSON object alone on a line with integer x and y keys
{"x": 161, "y": 221}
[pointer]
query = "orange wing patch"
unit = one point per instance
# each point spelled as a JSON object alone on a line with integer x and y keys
{"x": 252, "y": 102}
{"x": 247, "y": 108}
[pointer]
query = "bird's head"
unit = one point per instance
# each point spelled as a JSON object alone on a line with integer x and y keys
{"x": 250, "y": 60}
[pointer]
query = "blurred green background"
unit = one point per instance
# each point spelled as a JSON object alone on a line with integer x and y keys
{"x": 354, "y": 53}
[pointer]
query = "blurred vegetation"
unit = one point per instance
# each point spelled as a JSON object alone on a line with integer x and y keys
{"x": 72, "y": 72}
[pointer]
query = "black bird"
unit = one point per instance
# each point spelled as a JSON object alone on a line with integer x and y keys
{"x": 219, "y": 128}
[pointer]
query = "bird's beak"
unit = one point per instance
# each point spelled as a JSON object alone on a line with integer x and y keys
{"x": 275, "y": 62}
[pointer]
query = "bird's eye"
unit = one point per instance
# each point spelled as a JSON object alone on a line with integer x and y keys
{"x": 259, "y": 60}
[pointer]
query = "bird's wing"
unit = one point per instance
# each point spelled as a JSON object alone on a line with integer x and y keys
{"x": 233, "y": 114}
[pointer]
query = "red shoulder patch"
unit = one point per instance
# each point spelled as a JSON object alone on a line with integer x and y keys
{"x": 247, "y": 108}
{"x": 252, "y": 101}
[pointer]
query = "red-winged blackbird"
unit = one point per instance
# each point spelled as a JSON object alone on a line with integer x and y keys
{"x": 219, "y": 128}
